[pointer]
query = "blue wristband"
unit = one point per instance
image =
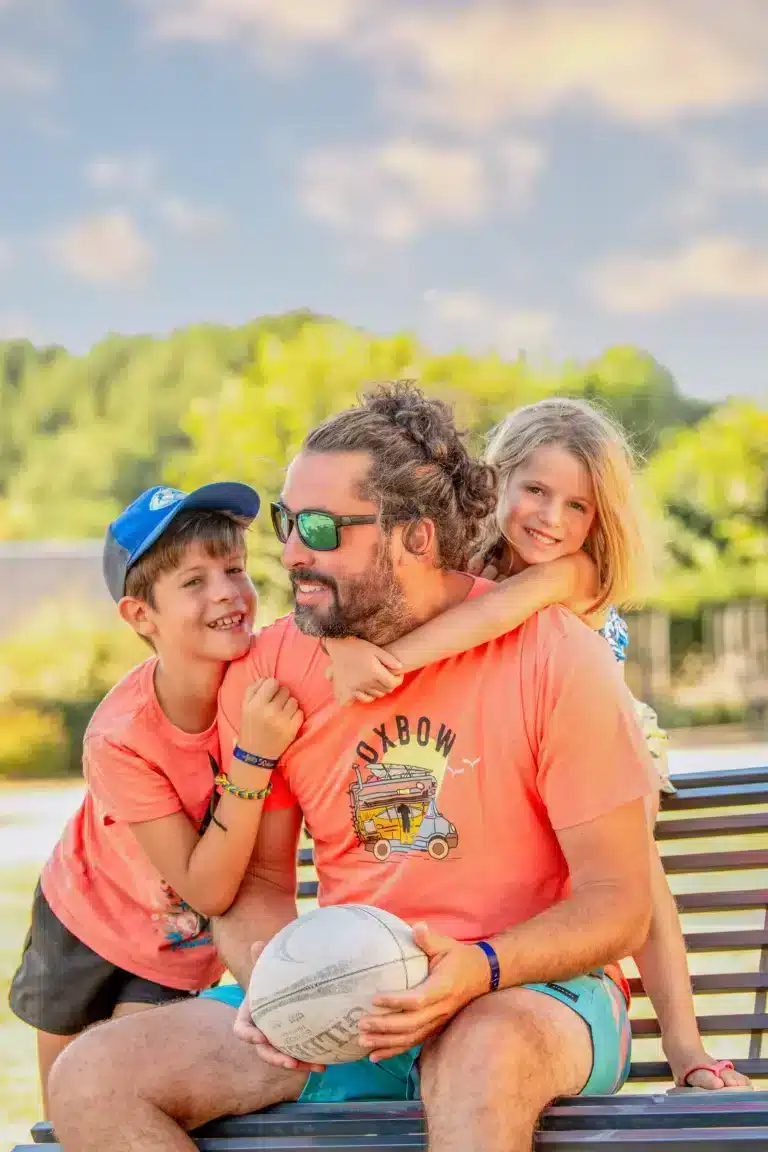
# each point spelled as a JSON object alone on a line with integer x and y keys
{"x": 249, "y": 758}
{"x": 493, "y": 960}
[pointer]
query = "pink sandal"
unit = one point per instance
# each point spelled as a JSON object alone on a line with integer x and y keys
{"x": 716, "y": 1067}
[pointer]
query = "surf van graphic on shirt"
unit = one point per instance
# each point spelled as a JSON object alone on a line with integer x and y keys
{"x": 395, "y": 795}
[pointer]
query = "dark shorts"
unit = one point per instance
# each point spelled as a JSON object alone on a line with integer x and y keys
{"x": 62, "y": 986}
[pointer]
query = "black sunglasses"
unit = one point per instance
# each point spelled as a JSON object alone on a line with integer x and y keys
{"x": 318, "y": 530}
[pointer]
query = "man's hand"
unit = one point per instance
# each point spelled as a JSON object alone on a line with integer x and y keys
{"x": 246, "y": 1030}
{"x": 458, "y": 974}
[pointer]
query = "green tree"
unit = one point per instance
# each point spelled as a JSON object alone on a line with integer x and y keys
{"x": 709, "y": 486}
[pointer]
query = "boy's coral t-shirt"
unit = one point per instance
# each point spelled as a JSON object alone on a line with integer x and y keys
{"x": 442, "y": 800}
{"x": 99, "y": 882}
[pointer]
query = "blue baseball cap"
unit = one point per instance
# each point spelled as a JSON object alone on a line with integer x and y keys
{"x": 142, "y": 523}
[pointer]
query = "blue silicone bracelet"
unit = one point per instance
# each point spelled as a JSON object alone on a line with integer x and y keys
{"x": 250, "y": 758}
{"x": 493, "y": 960}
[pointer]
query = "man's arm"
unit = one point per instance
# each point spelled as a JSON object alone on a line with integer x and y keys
{"x": 266, "y": 901}
{"x": 606, "y": 915}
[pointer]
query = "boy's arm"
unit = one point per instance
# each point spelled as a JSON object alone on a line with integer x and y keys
{"x": 266, "y": 900}
{"x": 206, "y": 870}
{"x": 568, "y": 580}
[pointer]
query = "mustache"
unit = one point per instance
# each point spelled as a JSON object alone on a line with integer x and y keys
{"x": 300, "y": 575}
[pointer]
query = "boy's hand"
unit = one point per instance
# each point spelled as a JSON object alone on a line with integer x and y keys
{"x": 270, "y": 719}
{"x": 361, "y": 671}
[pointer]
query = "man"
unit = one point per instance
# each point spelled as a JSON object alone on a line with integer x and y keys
{"x": 526, "y": 828}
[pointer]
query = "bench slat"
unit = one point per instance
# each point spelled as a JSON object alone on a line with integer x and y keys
{"x": 684, "y": 828}
{"x": 710, "y": 1025}
{"x": 717, "y": 861}
{"x": 625, "y": 1115}
{"x": 659, "y": 1069}
{"x": 716, "y": 982}
{"x": 717, "y": 796}
{"x": 757, "y": 774}
{"x": 628, "y": 1140}
{"x": 726, "y": 941}
{"x": 722, "y": 901}
{"x": 657, "y": 1140}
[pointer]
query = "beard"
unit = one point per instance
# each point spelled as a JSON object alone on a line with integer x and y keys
{"x": 372, "y": 607}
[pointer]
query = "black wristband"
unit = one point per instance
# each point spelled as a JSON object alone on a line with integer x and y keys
{"x": 255, "y": 761}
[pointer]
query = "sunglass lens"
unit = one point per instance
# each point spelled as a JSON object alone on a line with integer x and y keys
{"x": 318, "y": 531}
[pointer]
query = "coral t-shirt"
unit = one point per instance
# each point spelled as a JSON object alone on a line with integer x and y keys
{"x": 443, "y": 800}
{"x": 99, "y": 882}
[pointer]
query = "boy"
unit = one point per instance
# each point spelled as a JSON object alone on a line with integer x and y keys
{"x": 162, "y": 838}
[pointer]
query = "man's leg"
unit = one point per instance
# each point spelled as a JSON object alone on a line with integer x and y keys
{"x": 140, "y": 1081}
{"x": 488, "y": 1076}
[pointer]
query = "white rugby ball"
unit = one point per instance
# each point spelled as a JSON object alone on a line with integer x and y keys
{"x": 318, "y": 976}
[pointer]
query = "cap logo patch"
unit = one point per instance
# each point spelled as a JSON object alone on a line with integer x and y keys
{"x": 164, "y": 498}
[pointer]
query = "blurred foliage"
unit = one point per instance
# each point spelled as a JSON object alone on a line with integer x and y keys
{"x": 54, "y": 669}
{"x": 709, "y": 485}
{"x": 81, "y": 436}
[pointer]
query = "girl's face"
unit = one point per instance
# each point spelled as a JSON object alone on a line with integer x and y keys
{"x": 547, "y": 506}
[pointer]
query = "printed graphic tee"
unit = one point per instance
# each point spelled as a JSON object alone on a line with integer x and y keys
{"x": 99, "y": 882}
{"x": 443, "y": 800}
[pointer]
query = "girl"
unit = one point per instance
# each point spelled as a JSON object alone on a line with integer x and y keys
{"x": 566, "y": 531}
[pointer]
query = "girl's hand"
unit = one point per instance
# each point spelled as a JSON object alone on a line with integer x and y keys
{"x": 361, "y": 671}
{"x": 492, "y": 563}
{"x": 479, "y": 566}
{"x": 580, "y": 588}
{"x": 270, "y": 719}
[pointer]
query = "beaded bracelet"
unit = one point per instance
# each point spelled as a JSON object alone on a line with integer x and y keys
{"x": 226, "y": 785}
{"x": 252, "y": 759}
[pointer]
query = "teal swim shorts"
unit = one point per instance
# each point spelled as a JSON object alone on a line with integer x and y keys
{"x": 595, "y": 998}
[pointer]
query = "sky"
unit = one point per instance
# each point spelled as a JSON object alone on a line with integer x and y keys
{"x": 546, "y": 176}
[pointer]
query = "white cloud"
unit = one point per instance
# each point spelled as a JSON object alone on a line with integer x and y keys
{"x": 710, "y": 268}
{"x": 263, "y": 24}
{"x": 24, "y": 75}
{"x": 138, "y": 176}
{"x": 6, "y": 254}
{"x": 104, "y": 249}
{"x": 188, "y": 219}
{"x": 392, "y": 192}
{"x": 478, "y": 322}
{"x": 716, "y": 175}
{"x": 134, "y": 174}
{"x": 483, "y": 65}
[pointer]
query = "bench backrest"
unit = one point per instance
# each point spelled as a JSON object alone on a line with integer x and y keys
{"x": 713, "y": 838}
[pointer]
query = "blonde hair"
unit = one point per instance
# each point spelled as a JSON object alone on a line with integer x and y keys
{"x": 615, "y": 540}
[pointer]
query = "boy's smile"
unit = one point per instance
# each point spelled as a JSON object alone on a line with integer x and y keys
{"x": 205, "y": 608}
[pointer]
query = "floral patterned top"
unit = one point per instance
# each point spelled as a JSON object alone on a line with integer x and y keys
{"x": 616, "y": 633}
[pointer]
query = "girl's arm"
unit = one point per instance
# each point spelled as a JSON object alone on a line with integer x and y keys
{"x": 569, "y": 581}
{"x": 206, "y": 871}
{"x": 663, "y": 968}
{"x": 361, "y": 671}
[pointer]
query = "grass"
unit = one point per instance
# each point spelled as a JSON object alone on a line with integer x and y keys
{"x": 19, "y": 1100}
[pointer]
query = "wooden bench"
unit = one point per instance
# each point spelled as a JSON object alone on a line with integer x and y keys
{"x": 713, "y": 836}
